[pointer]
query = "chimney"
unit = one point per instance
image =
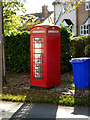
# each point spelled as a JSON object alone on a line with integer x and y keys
{"x": 44, "y": 11}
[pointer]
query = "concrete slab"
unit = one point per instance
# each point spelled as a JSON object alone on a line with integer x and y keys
{"x": 7, "y": 109}
{"x": 14, "y": 110}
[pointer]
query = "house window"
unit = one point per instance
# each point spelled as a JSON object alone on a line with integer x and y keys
{"x": 84, "y": 29}
{"x": 87, "y": 5}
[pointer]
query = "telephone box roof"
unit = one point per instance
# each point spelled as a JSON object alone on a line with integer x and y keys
{"x": 45, "y": 26}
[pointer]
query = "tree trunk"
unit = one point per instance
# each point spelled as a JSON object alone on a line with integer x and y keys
{"x": 0, "y": 48}
{"x": 3, "y": 50}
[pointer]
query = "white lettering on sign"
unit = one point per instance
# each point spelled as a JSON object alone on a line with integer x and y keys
{"x": 39, "y": 31}
{"x": 53, "y": 31}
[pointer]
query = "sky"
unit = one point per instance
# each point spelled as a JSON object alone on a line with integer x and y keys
{"x": 33, "y": 6}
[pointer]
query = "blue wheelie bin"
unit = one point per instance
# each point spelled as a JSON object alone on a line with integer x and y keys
{"x": 81, "y": 72}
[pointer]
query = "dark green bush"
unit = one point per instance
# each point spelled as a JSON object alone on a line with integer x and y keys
{"x": 65, "y": 52}
{"x": 80, "y": 46}
{"x": 17, "y": 52}
{"x": 87, "y": 50}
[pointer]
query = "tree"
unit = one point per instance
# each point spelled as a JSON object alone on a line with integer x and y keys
{"x": 8, "y": 12}
{"x": 11, "y": 21}
{"x": 67, "y": 6}
{"x": 0, "y": 48}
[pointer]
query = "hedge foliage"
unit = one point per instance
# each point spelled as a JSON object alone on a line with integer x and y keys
{"x": 65, "y": 52}
{"x": 80, "y": 46}
{"x": 17, "y": 52}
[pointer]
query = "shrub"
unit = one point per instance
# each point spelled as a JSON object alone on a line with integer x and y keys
{"x": 17, "y": 52}
{"x": 65, "y": 53}
{"x": 80, "y": 46}
{"x": 87, "y": 50}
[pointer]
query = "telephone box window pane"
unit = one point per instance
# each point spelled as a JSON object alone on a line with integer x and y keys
{"x": 38, "y": 61}
{"x": 38, "y": 66}
{"x": 38, "y": 55}
{"x": 37, "y": 50}
{"x": 38, "y": 39}
{"x": 37, "y": 71}
{"x": 37, "y": 77}
{"x": 38, "y": 45}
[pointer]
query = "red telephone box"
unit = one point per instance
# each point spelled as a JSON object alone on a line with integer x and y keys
{"x": 45, "y": 56}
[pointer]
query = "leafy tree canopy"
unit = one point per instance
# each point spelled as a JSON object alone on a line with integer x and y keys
{"x": 11, "y": 21}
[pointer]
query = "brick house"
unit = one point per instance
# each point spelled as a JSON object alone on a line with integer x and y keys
{"x": 79, "y": 18}
{"x": 83, "y": 18}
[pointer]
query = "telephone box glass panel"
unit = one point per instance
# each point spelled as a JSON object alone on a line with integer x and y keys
{"x": 38, "y": 58}
{"x": 38, "y": 45}
{"x": 38, "y": 55}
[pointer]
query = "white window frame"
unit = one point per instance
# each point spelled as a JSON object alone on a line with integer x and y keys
{"x": 84, "y": 29}
{"x": 87, "y": 6}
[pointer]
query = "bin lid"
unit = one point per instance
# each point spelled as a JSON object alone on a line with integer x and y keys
{"x": 79, "y": 60}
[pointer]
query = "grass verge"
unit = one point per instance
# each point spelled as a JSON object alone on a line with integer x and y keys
{"x": 18, "y": 90}
{"x": 65, "y": 100}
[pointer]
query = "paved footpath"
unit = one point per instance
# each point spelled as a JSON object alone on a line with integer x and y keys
{"x": 12, "y": 110}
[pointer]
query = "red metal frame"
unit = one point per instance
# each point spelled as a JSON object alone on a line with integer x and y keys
{"x": 45, "y": 56}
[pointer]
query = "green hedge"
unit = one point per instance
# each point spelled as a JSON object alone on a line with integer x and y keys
{"x": 65, "y": 52}
{"x": 80, "y": 46}
{"x": 17, "y": 52}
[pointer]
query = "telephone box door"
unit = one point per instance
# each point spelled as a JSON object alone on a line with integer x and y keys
{"x": 37, "y": 61}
